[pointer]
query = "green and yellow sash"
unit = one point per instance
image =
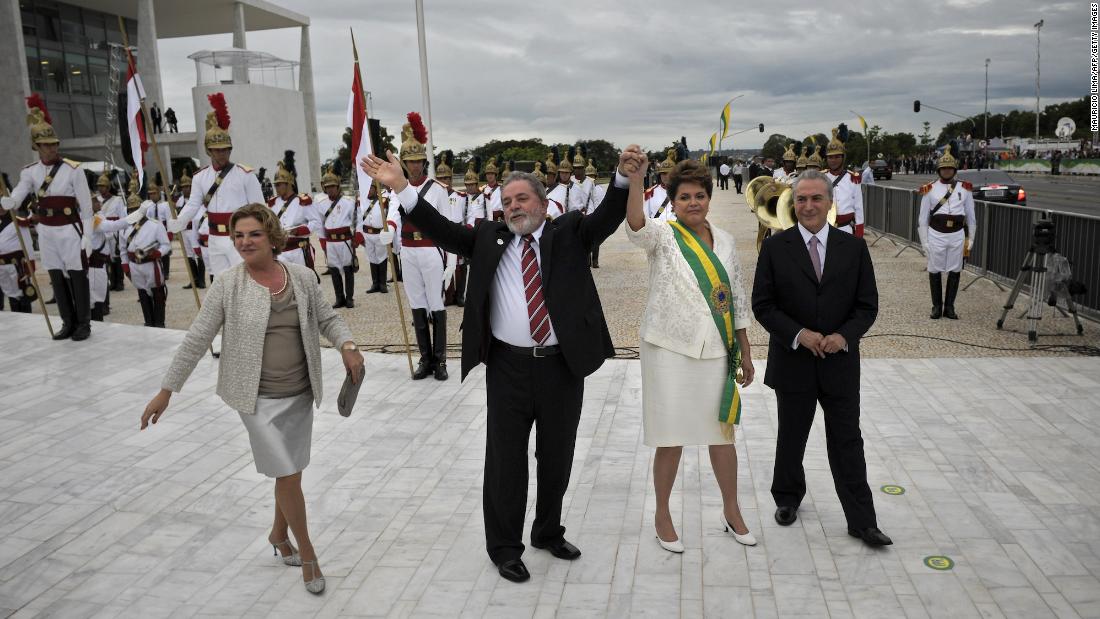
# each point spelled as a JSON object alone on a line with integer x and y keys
{"x": 714, "y": 283}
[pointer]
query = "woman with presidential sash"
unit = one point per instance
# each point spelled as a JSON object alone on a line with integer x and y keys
{"x": 694, "y": 347}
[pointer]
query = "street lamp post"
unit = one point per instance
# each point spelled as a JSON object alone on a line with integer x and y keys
{"x": 1038, "y": 29}
{"x": 985, "y": 127}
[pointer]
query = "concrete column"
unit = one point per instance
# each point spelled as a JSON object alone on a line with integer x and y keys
{"x": 14, "y": 133}
{"x": 240, "y": 74}
{"x": 148, "y": 61}
{"x": 305, "y": 86}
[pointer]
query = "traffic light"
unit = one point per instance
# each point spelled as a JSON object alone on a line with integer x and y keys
{"x": 761, "y": 125}
{"x": 916, "y": 106}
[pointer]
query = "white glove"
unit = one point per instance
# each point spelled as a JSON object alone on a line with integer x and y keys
{"x": 175, "y": 225}
{"x": 7, "y": 203}
{"x": 138, "y": 214}
{"x": 385, "y": 237}
{"x": 86, "y": 241}
{"x": 448, "y": 273}
{"x": 925, "y": 248}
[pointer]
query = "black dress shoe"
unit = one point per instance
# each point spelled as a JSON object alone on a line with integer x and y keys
{"x": 871, "y": 536}
{"x": 560, "y": 549}
{"x": 786, "y": 515}
{"x": 514, "y": 570}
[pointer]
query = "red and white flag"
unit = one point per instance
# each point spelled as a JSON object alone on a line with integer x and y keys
{"x": 132, "y": 133}
{"x": 360, "y": 135}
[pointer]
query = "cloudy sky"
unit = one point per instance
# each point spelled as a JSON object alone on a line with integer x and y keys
{"x": 650, "y": 71}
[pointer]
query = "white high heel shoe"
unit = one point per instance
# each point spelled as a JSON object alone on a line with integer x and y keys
{"x": 676, "y": 546}
{"x": 746, "y": 540}
{"x": 292, "y": 559}
{"x": 317, "y": 585}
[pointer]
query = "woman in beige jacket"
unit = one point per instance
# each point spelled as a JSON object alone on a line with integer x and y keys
{"x": 271, "y": 315}
{"x": 687, "y": 363}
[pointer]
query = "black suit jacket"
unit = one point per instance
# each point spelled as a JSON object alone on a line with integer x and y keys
{"x": 567, "y": 284}
{"x": 787, "y": 297}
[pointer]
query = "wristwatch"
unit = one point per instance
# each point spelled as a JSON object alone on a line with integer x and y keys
{"x": 349, "y": 346}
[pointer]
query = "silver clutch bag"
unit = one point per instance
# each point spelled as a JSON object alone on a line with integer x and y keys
{"x": 349, "y": 391}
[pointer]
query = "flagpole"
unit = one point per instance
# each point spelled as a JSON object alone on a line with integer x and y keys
{"x": 425, "y": 93}
{"x": 383, "y": 204}
{"x": 26, "y": 259}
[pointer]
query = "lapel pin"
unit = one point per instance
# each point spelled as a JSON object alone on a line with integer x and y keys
{"x": 500, "y": 241}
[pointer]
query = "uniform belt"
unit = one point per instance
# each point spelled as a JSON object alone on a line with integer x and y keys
{"x": 529, "y": 351}
{"x": 204, "y": 240}
{"x": 98, "y": 260}
{"x": 219, "y": 223}
{"x": 415, "y": 239}
{"x": 369, "y": 230}
{"x": 338, "y": 234}
{"x": 14, "y": 257}
{"x": 143, "y": 260}
{"x": 57, "y": 211}
{"x": 296, "y": 242}
{"x": 845, "y": 219}
{"x": 947, "y": 224}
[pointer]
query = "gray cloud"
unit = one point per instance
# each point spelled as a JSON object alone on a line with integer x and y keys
{"x": 649, "y": 71}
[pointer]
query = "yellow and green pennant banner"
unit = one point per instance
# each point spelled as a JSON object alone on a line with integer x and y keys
{"x": 724, "y": 122}
{"x": 713, "y": 142}
{"x": 862, "y": 122}
{"x": 714, "y": 283}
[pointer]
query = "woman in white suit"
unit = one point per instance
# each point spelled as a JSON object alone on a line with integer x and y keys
{"x": 693, "y": 341}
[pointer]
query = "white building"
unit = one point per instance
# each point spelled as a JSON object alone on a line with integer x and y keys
{"x": 69, "y": 52}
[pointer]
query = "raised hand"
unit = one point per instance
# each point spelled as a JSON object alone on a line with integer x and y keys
{"x": 386, "y": 171}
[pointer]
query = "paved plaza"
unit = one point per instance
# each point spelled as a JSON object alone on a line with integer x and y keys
{"x": 996, "y": 459}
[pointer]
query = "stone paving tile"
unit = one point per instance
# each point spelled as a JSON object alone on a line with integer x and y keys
{"x": 996, "y": 456}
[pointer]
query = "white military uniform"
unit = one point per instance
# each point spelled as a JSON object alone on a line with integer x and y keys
{"x": 942, "y": 234}
{"x": 164, "y": 213}
{"x": 493, "y": 208}
{"x": 238, "y": 188}
{"x": 848, "y": 198}
{"x": 144, "y": 243}
{"x": 782, "y": 176}
{"x": 190, "y": 235}
{"x": 474, "y": 210}
{"x": 113, "y": 208}
{"x": 102, "y": 241}
{"x": 598, "y": 193}
{"x": 560, "y": 195}
{"x": 12, "y": 264}
{"x": 299, "y": 217}
{"x": 658, "y": 204}
{"x": 422, "y": 263}
{"x": 59, "y": 244}
{"x": 372, "y": 222}
{"x": 341, "y": 221}
{"x": 580, "y": 194}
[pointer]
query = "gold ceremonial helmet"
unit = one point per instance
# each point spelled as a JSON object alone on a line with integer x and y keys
{"x": 507, "y": 171}
{"x": 329, "y": 179}
{"x": 815, "y": 160}
{"x": 283, "y": 175}
{"x": 411, "y": 149}
{"x": 491, "y": 167}
{"x": 185, "y": 180}
{"x": 551, "y": 167}
{"x": 538, "y": 172}
{"x": 41, "y": 131}
{"x": 578, "y": 161}
{"x": 216, "y": 137}
{"x": 836, "y": 147}
{"x": 670, "y": 162}
{"x": 590, "y": 170}
{"x": 565, "y": 164}
{"x": 471, "y": 175}
{"x": 103, "y": 181}
{"x": 443, "y": 172}
{"x": 788, "y": 155}
{"x": 947, "y": 160}
{"x": 800, "y": 163}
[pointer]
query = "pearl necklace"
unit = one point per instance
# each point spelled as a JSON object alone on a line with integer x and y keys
{"x": 286, "y": 280}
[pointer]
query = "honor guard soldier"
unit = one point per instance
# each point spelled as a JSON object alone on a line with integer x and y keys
{"x": 800, "y": 163}
{"x": 145, "y": 240}
{"x": 787, "y": 173}
{"x": 15, "y": 273}
{"x": 57, "y": 191}
{"x": 103, "y": 245}
{"x": 581, "y": 196}
{"x": 159, "y": 209}
{"x": 296, "y": 214}
{"x": 846, "y": 192}
{"x": 475, "y": 201}
{"x": 551, "y": 169}
{"x": 814, "y": 161}
{"x": 341, "y": 221}
{"x": 112, "y": 208}
{"x": 456, "y": 207}
{"x": 658, "y": 204}
{"x": 222, "y": 187}
{"x": 423, "y": 263}
{"x": 946, "y": 225}
{"x": 553, "y": 209}
{"x": 191, "y": 236}
{"x": 491, "y": 193}
{"x": 373, "y": 221}
{"x": 562, "y": 191}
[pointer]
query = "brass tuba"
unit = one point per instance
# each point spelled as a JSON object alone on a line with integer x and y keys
{"x": 773, "y": 203}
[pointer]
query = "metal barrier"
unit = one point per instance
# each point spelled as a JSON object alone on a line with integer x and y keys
{"x": 1004, "y": 237}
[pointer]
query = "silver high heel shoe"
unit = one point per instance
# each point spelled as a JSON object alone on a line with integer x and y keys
{"x": 292, "y": 559}
{"x": 746, "y": 540}
{"x": 317, "y": 585}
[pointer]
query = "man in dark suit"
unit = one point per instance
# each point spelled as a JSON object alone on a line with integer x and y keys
{"x": 533, "y": 316}
{"x": 816, "y": 295}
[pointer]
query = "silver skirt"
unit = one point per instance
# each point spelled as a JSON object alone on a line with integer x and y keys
{"x": 280, "y": 432}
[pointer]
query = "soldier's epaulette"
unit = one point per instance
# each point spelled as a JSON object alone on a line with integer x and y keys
{"x": 925, "y": 188}
{"x": 247, "y": 169}
{"x": 74, "y": 164}
{"x": 200, "y": 170}
{"x": 856, "y": 178}
{"x": 649, "y": 192}
{"x": 33, "y": 163}
{"x": 271, "y": 202}
{"x": 968, "y": 185}
{"x": 304, "y": 199}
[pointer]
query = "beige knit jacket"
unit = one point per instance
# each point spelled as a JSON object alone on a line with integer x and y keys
{"x": 239, "y": 307}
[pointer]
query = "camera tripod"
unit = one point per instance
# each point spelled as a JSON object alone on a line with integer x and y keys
{"x": 1035, "y": 265}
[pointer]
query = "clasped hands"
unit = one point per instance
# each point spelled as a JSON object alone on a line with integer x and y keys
{"x": 821, "y": 345}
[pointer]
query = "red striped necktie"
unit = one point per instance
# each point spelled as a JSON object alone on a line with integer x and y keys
{"x": 532, "y": 287}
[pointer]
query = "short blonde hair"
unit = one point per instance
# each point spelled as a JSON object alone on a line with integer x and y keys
{"x": 271, "y": 225}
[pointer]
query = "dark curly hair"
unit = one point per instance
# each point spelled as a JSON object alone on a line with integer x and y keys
{"x": 689, "y": 171}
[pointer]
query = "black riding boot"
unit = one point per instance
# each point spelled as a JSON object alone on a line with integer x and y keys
{"x": 63, "y": 296}
{"x": 374, "y": 285}
{"x": 146, "y": 301}
{"x": 349, "y": 286}
{"x": 82, "y": 305}
{"x": 160, "y": 304}
{"x": 200, "y": 273}
{"x": 949, "y": 299}
{"x": 118, "y": 279}
{"x": 337, "y": 287}
{"x": 460, "y": 285}
{"x": 382, "y": 268}
{"x": 424, "y": 342}
{"x": 935, "y": 282}
{"x": 397, "y": 268}
{"x": 165, "y": 263}
{"x": 190, "y": 261}
{"x": 107, "y": 301}
{"x": 595, "y": 256}
{"x": 439, "y": 343}
{"x": 97, "y": 312}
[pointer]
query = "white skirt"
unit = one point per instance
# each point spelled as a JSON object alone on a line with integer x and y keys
{"x": 680, "y": 398}
{"x": 280, "y": 432}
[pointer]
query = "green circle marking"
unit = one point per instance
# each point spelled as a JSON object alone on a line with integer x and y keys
{"x": 894, "y": 490}
{"x": 939, "y": 562}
